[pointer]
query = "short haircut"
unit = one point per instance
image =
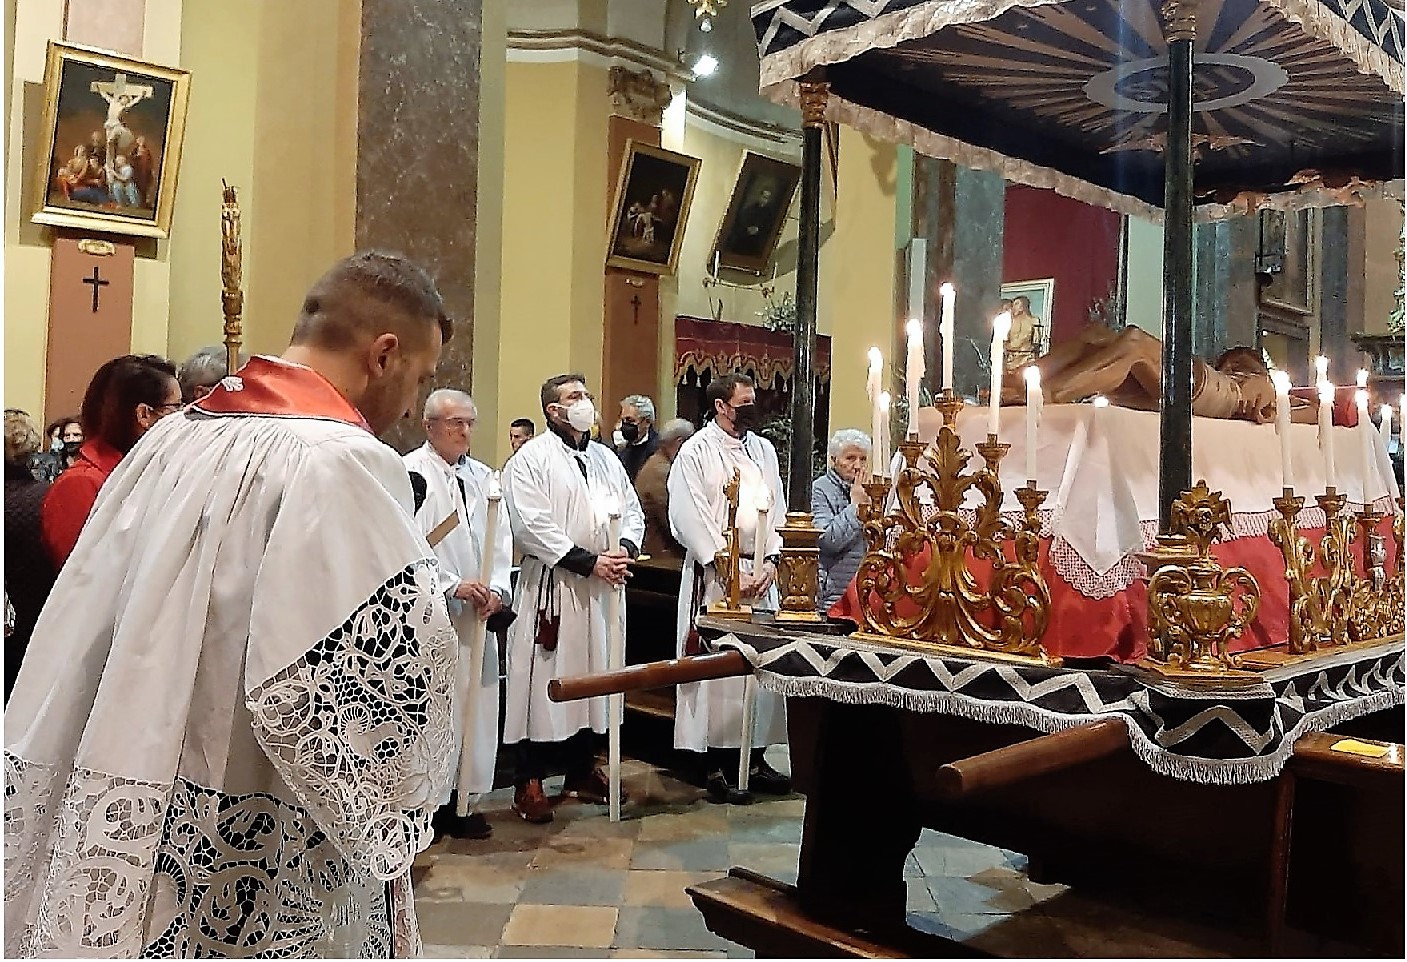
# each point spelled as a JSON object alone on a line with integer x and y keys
{"x": 643, "y": 405}
{"x": 340, "y": 307}
{"x": 21, "y": 437}
{"x": 527, "y": 423}
{"x": 205, "y": 368}
{"x": 722, "y": 388}
{"x": 1241, "y": 360}
{"x": 110, "y": 403}
{"x": 445, "y": 395}
{"x": 550, "y": 386}
{"x": 847, "y": 438}
{"x": 1023, "y": 299}
{"x": 678, "y": 429}
{"x": 58, "y": 424}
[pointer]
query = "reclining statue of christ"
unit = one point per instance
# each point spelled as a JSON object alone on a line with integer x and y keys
{"x": 1127, "y": 368}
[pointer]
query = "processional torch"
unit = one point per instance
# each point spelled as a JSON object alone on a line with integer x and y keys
{"x": 231, "y": 276}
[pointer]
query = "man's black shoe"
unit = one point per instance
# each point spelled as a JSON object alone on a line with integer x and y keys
{"x": 447, "y": 823}
{"x": 723, "y": 791}
{"x": 474, "y": 825}
{"x": 766, "y": 780}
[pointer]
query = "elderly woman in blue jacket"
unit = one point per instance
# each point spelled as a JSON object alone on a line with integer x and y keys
{"x": 835, "y": 499}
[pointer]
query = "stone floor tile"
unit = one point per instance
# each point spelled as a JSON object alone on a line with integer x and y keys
{"x": 793, "y": 806}
{"x": 462, "y": 923}
{"x": 603, "y": 827}
{"x": 959, "y": 896}
{"x": 662, "y": 887}
{"x": 682, "y": 826}
{"x": 693, "y": 855}
{"x": 465, "y": 879}
{"x": 587, "y": 852}
{"x": 571, "y": 885}
{"x": 429, "y": 951}
{"x": 549, "y": 952}
{"x": 652, "y": 927}
{"x": 664, "y": 954}
{"x": 575, "y": 926}
{"x": 920, "y": 899}
{"x": 769, "y": 858}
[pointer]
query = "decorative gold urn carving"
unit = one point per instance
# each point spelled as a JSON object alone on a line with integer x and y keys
{"x": 1376, "y": 607}
{"x": 1196, "y": 607}
{"x": 1005, "y": 612}
{"x": 799, "y": 574}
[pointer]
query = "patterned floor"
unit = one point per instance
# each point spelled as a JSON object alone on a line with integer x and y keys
{"x": 584, "y": 887}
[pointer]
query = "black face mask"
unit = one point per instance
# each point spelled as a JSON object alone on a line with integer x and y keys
{"x": 630, "y": 431}
{"x": 71, "y": 448}
{"x": 745, "y": 417}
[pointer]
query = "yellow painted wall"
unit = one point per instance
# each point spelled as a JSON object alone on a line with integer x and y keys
{"x": 554, "y": 235}
{"x": 856, "y": 302}
{"x": 490, "y": 442}
{"x": 1383, "y": 230}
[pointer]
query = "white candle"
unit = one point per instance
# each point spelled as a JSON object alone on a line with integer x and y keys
{"x": 759, "y": 545}
{"x": 1321, "y": 369}
{"x": 615, "y": 656}
{"x": 715, "y": 274}
{"x": 1034, "y": 400}
{"x": 1282, "y": 426}
{"x": 1385, "y": 427}
{"x": 1001, "y": 327}
{"x": 945, "y": 331}
{"x": 874, "y": 384}
{"x": 477, "y": 639}
{"x": 1362, "y": 379}
{"x": 883, "y": 442}
{"x": 1365, "y": 439}
{"x": 914, "y": 371}
{"x": 1326, "y": 433}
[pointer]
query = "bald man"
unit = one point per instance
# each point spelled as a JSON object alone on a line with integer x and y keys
{"x": 242, "y": 681}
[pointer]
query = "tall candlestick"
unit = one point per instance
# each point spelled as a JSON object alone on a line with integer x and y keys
{"x": 615, "y": 655}
{"x": 914, "y": 371}
{"x": 884, "y": 445}
{"x": 1326, "y": 433}
{"x": 874, "y": 383}
{"x": 1282, "y": 426}
{"x": 759, "y": 544}
{"x": 945, "y": 331}
{"x": 1034, "y": 400}
{"x": 1365, "y": 438}
{"x": 1001, "y": 327}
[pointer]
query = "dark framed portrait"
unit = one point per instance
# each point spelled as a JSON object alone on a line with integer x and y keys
{"x": 653, "y": 195}
{"x": 113, "y": 129}
{"x": 756, "y": 213}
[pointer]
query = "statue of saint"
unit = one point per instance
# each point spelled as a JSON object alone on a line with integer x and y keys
{"x": 1127, "y": 367}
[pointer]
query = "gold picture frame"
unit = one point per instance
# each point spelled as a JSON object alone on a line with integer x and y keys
{"x": 653, "y": 194}
{"x": 757, "y": 212}
{"x": 99, "y": 108}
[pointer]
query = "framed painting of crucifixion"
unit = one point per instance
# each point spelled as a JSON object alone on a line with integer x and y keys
{"x": 112, "y": 142}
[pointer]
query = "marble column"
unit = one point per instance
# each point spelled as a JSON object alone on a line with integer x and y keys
{"x": 417, "y": 156}
{"x": 1225, "y": 295}
{"x": 961, "y": 215}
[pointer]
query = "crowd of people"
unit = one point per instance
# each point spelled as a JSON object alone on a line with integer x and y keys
{"x": 228, "y": 588}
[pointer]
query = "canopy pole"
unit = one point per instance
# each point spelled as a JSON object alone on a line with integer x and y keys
{"x": 815, "y": 91}
{"x": 1175, "y": 421}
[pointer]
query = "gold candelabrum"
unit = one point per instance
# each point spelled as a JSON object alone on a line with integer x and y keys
{"x": 1338, "y": 605}
{"x": 231, "y": 276}
{"x": 727, "y": 563}
{"x": 1195, "y": 606}
{"x": 947, "y": 607}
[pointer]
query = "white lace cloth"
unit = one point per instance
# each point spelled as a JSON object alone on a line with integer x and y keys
{"x": 1100, "y": 467}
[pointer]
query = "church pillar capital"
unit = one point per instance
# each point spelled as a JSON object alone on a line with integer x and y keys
{"x": 638, "y": 95}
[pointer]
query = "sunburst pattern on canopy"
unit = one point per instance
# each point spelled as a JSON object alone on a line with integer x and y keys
{"x": 1072, "y": 94}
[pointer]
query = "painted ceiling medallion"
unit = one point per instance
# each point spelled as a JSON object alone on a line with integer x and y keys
{"x": 1221, "y": 80}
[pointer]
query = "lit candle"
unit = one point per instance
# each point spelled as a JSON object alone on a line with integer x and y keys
{"x": 1385, "y": 427}
{"x": 1365, "y": 436}
{"x": 1326, "y": 433}
{"x": 1282, "y": 425}
{"x": 1362, "y": 379}
{"x": 1001, "y": 327}
{"x": 759, "y": 546}
{"x": 874, "y": 382}
{"x": 883, "y": 442}
{"x": 1321, "y": 369}
{"x": 914, "y": 371}
{"x": 1034, "y": 400}
{"x": 615, "y": 660}
{"x": 1100, "y": 401}
{"x": 945, "y": 331}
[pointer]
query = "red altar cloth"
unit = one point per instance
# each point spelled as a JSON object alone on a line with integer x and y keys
{"x": 1117, "y": 626}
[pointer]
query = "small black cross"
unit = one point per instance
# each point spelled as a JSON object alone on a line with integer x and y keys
{"x": 97, "y": 283}
{"x": 635, "y": 303}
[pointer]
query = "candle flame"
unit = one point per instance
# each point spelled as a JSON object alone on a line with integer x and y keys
{"x": 1360, "y": 397}
{"x": 1321, "y": 367}
{"x": 947, "y": 289}
{"x": 1281, "y": 381}
{"x": 1385, "y": 412}
{"x": 884, "y": 401}
{"x": 1326, "y": 392}
{"x": 1001, "y": 326}
{"x": 915, "y": 329}
{"x": 1032, "y": 375}
{"x": 1100, "y": 401}
{"x": 764, "y": 503}
{"x": 1362, "y": 379}
{"x": 876, "y": 359}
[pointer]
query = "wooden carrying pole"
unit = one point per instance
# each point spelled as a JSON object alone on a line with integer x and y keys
{"x": 231, "y": 276}
{"x": 656, "y": 674}
{"x": 1038, "y": 756}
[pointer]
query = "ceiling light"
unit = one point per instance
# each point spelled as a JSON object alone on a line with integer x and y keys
{"x": 705, "y": 25}
{"x": 706, "y": 65}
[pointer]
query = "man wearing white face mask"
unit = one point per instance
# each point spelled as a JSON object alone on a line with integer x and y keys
{"x": 560, "y": 490}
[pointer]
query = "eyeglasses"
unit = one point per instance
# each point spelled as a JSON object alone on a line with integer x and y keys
{"x": 461, "y": 423}
{"x": 170, "y": 407}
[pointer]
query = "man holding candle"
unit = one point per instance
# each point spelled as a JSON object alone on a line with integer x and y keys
{"x": 561, "y": 490}
{"x": 458, "y": 487}
{"x": 708, "y": 715}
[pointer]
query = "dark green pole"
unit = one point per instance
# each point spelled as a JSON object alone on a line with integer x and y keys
{"x": 814, "y": 93}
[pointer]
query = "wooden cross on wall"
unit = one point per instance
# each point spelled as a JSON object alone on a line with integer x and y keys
{"x": 96, "y": 281}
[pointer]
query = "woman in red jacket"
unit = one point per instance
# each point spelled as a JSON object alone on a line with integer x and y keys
{"x": 125, "y": 398}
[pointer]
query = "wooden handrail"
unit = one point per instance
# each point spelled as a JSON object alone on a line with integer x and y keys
{"x": 655, "y": 674}
{"x": 1037, "y": 756}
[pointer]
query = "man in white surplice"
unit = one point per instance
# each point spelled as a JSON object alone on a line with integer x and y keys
{"x": 708, "y": 715}
{"x": 233, "y": 726}
{"x": 457, "y": 485}
{"x": 561, "y": 488}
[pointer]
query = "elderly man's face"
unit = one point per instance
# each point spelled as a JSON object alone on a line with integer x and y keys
{"x": 451, "y": 429}
{"x": 852, "y": 463}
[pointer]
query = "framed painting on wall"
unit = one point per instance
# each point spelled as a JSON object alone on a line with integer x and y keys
{"x": 652, "y": 205}
{"x": 1029, "y": 303}
{"x": 756, "y": 213}
{"x": 112, "y": 142}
